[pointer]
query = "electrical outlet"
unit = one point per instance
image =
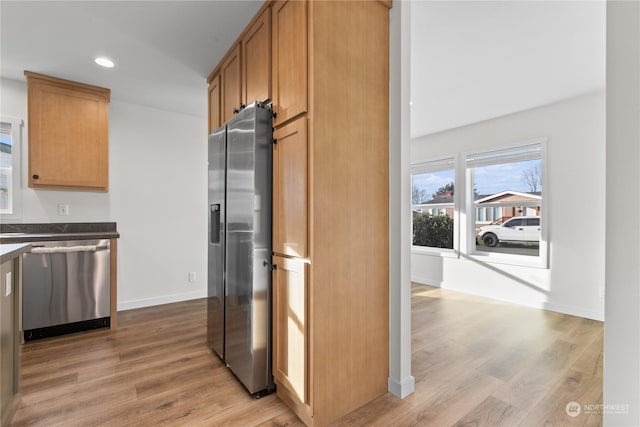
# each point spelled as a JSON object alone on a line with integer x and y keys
{"x": 63, "y": 209}
{"x": 192, "y": 276}
{"x": 8, "y": 283}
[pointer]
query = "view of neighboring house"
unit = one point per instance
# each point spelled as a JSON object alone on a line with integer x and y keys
{"x": 440, "y": 204}
{"x": 490, "y": 209}
{"x": 497, "y": 208}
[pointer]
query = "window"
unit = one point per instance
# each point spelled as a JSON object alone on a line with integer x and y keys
{"x": 533, "y": 221}
{"x": 494, "y": 212}
{"x": 508, "y": 183}
{"x": 488, "y": 215}
{"x": 433, "y": 204}
{"x": 513, "y": 223}
{"x": 10, "y": 135}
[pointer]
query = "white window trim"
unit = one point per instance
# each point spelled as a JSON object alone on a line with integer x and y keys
{"x": 468, "y": 247}
{"x": 17, "y": 125}
{"x": 419, "y": 167}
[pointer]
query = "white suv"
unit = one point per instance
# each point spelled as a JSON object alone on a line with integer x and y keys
{"x": 517, "y": 229}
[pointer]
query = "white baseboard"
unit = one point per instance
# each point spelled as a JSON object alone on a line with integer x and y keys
{"x": 545, "y": 305}
{"x": 426, "y": 281}
{"x": 164, "y": 299}
{"x": 402, "y": 389}
{"x": 574, "y": 311}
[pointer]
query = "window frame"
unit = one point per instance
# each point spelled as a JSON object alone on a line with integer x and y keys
{"x": 416, "y": 168}
{"x": 17, "y": 130}
{"x": 469, "y": 241}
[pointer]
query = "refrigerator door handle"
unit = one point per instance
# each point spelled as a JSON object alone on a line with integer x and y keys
{"x": 215, "y": 223}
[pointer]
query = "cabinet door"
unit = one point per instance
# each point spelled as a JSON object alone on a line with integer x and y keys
{"x": 289, "y": 59}
{"x": 256, "y": 60}
{"x": 7, "y": 339}
{"x": 214, "y": 103}
{"x": 290, "y": 327}
{"x": 231, "y": 94}
{"x": 290, "y": 189}
{"x": 68, "y": 136}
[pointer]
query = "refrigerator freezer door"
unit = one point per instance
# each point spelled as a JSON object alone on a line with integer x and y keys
{"x": 248, "y": 319}
{"x": 216, "y": 239}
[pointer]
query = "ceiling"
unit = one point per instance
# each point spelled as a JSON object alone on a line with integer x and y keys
{"x": 476, "y": 60}
{"x": 164, "y": 50}
{"x": 471, "y": 60}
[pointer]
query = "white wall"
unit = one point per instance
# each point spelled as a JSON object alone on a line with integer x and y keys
{"x": 157, "y": 197}
{"x": 622, "y": 321}
{"x": 574, "y": 202}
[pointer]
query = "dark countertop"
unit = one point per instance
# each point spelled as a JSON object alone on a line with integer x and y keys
{"x": 11, "y": 251}
{"x": 19, "y": 233}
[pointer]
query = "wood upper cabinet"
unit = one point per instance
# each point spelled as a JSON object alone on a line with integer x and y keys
{"x": 289, "y": 41}
{"x": 230, "y": 72}
{"x": 68, "y": 134}
{"x": 214, "y": 103}
{"x": 244, "y": 76}
{"x": 290, "y": 326}
{"x": 290, "y": 189}
{"x": 256, "y": 60}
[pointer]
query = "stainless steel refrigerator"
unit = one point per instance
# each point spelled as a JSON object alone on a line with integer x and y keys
{"x": 239, "y": 249}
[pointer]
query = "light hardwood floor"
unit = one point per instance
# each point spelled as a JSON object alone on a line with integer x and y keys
{"x": 476, "y": 362}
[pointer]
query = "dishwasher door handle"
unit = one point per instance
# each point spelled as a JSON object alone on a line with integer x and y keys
{"x": 66, "y": 249}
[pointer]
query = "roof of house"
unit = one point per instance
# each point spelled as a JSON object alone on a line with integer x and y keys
{"x": 536, "y": 195}
{"x": 439, "y": 200}
{"x": 482, "y": 198}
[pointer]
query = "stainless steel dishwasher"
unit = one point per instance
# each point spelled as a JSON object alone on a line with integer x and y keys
{"x": 66, "y": 287}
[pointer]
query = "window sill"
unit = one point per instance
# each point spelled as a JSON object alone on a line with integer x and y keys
{"x": 438, "y": 252}
{"x": 13, "y": 217}
{"x": 509, "y": 259}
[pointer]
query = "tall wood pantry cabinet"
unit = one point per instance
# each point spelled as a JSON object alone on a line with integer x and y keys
{"x": 330, "y": 91}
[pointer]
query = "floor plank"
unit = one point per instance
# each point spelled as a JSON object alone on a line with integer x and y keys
{"x": 491, "y": 412}
{"x": 477, "y": 362}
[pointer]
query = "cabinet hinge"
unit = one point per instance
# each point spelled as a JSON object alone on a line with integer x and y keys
{"x": 237, "y": 110}
{"x": 271, "y": 267}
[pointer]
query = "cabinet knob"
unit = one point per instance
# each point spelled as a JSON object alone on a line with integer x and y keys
{"x": 36, "y": 176}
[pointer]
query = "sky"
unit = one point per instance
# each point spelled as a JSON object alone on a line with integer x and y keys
{"x": 508, "y": 176}
{"x": 487, "y": 179}
{"x": 431, "y": 182}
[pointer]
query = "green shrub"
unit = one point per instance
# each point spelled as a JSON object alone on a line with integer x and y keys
{"x": 435, "y": 231}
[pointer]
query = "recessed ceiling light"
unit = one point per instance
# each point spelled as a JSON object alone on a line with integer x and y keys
{"x": 104, "y": 62}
